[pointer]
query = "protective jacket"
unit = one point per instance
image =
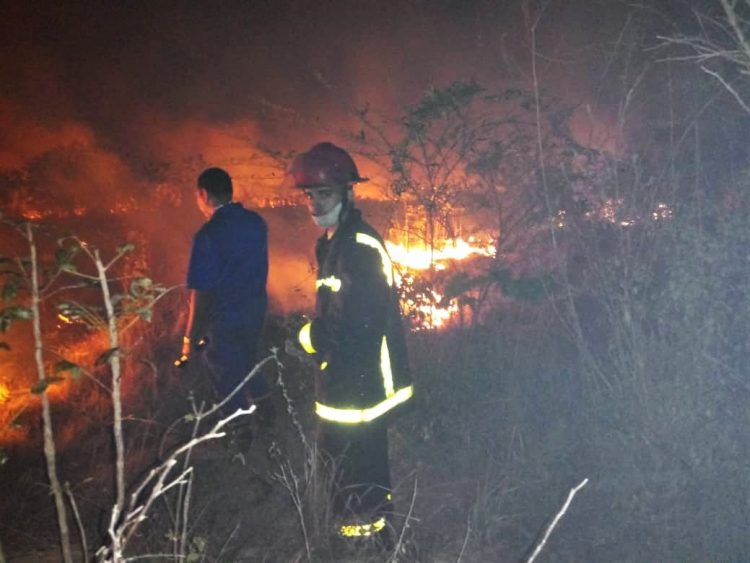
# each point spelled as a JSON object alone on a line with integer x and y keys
{"x": 356, "y": 334}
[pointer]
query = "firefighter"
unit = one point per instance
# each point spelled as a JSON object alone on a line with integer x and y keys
{"x": 356, "y": 338}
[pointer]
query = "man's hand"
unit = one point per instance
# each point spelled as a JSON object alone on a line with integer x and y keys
{"x": 185, "y": 352}
{"x": 199, "y": 308}
{"x": 185, "y": 346}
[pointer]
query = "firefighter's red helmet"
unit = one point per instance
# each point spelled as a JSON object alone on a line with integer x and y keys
{"x": 324, "y": 165}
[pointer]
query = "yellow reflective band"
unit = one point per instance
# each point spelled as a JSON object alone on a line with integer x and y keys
{"x": 385, "y": 368}
{"x": 358, "y": 416}
{"x": 363, "y": 238}
{"x": 359, "y": 530}
{"x": 305, "y": 338}
{"x": 331, "y": 282}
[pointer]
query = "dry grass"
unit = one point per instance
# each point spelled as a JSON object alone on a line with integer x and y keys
{"x": 508, "y": 417}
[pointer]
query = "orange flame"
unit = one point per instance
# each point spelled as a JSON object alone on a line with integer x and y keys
{"x": 409, "y": 259}
{"x": 420, "y": 258}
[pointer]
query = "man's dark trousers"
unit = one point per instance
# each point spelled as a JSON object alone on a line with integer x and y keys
{"x": 231, "y": 356}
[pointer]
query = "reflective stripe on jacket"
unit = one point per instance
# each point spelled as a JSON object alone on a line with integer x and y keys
{"x": 356, "y": 334}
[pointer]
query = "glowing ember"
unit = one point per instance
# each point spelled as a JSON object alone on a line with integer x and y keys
{"x": 33, "y": 215}
{"x": 4, "y": 393}
{"x": 434, "y": 316}
{"x": 65, "y": 318}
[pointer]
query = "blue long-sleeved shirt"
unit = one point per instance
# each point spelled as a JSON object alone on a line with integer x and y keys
{"x": 229, "y": 260}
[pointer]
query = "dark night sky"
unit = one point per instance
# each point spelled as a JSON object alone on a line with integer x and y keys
{"x": 165, "y": 80}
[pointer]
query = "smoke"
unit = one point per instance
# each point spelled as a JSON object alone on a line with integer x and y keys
{"x": 109, "y": 112}
{"x": 24, "y": 138}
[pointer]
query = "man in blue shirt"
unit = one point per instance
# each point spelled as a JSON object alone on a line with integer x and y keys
{"x": 227, "y": 282}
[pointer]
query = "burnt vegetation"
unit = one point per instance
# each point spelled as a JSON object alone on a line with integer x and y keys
{"x": 604, "y": 338}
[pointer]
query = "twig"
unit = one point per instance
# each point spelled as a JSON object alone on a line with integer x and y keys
{"x": 79, "y": 522}
{"x": 180, "y": 513}
{"x": 728, "y": 87}
{"x": 554, "y": 522}
{"x": 290, "y": 404}
{"x": 48, "y": 294}
{"x": 466, "y": 540}
{"x": 148, "y": 305}
{"x": 289, "y": 479}
{"x": 237, "y": 389}
{"x": 86, "y": 373}
{"x": 50, "y": 452}
{"x": 397, "y": 548}
{"x": 148, "y": 557}
{"x": 116, "y": 379}
{"x": 122, "y": 526}
{"x": 185, "y": 515}
{"x": 731, "y": 14}
{"x": 229, "y": 539}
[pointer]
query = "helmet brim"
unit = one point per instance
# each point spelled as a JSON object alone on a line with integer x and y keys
{"x": 290, "y": 182}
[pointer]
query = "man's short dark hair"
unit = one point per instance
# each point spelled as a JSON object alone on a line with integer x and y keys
{"x": 217, "y": 183}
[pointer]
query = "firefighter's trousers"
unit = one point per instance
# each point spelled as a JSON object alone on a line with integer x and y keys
{"x": 362, "y": 485}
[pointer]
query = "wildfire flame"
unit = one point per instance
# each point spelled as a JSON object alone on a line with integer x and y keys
{"x": 420, "y": 258}
{"x": 413, "y": 259}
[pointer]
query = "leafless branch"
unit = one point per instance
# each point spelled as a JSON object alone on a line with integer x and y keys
{"x": 157, "y": 482}
{"x": 407, "y": 521}
{"x": 49, "y": 448}
{"x": 728, "y": 87}
{"x": 730, "y": 46}
{"x": 79, "y": 522}
{"x": 239, "y": 387}
{"x": 466, "y": 540}
{"x": 554, "y": 522}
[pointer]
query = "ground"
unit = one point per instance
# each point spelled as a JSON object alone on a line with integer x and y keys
{"x": 503, "y": 427}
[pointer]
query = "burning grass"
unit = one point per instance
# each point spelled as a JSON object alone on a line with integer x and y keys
{"x": 422, "y": 303}
{"x": 421, "y": 258}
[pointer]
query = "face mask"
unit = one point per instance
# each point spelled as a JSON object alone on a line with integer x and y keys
{"x": 328, "y": 219}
